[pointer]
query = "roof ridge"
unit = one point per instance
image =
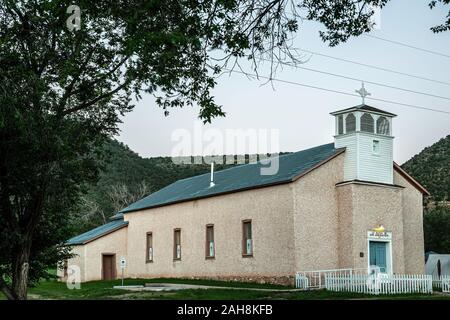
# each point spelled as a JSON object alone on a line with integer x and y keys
{"x": 238, "y": 166}
{"x": 288, "y": 153}
{"x": 193, "y": 187}
{"x": 97, "y": 232}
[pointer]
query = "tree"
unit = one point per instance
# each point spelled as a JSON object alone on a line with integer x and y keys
{"x": 446, "y": 25}
{"x": 121, "y": 196}
{"x": 437, "y": 230}
{"x": 64, "y": 86}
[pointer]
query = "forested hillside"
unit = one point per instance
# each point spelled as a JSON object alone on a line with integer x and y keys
{"x": 431, "y": 167}
{"x": 126, "y": 177}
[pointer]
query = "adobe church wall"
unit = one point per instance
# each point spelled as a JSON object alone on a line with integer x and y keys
{"x": 115, "y": 242}
{"x": 77, "y": 260}
{"x": 89, "y": 256}
{"x": 412, "y": 226}
{"x": 362, "y": 208}
{"x": 345, "y": 227}
{"x": 270, "y": 210}
{"x": 316, "y": 216}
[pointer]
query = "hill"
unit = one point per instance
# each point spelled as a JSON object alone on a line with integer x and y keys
{"x": 125, "y": 178}
{"x": 431, "y": 167}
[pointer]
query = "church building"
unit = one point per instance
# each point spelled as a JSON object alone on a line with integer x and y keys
{"x": 345, "y": 204}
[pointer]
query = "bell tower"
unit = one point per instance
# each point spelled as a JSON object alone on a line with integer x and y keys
{"x": 366, "y": 133}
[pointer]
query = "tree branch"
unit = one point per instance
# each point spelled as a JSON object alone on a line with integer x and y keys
{"x": 94, "y": 101}
{"x": 6, "y": 289}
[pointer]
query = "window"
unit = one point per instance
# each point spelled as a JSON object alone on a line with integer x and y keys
{"x": 367, "y": 123}
{"x": 149, "y": 257}
{"x": 350, "y": 123}
{"x": 383, "y": 126}
{"x": 247, "y": 242}
{"x": 177, "y": 244}
{"x": 65, "y": 268}
{"x": 376, "y": 147}
{"x": 340, "y": 119}
{"x": 210, "y": 253}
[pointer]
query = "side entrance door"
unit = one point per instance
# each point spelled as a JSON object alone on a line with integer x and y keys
{"x": 377, "y": 254}
{"x": 108, "y": 266}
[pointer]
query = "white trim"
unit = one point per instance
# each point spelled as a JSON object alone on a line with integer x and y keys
{"x": 374, "y": 135}
{"x": 384, "y": 237}
{"x": 368, "y": 183}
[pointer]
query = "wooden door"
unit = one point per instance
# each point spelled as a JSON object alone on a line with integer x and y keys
{"x": 108, "y": 266}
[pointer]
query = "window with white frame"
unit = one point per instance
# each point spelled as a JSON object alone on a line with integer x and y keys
{"x": 383, "y": 126}
{"x": 340, "y": 120}
{"x": 367, "y": 123}
{"x": 350, "y": 123}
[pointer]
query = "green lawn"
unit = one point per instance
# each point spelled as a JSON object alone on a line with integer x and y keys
{"x": 104, "y": 290}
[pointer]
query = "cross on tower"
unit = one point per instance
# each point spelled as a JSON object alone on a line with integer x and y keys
{"x": 363, "y": 93}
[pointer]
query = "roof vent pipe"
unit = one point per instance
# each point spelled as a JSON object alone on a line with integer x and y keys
{"x": 211, "y": 184}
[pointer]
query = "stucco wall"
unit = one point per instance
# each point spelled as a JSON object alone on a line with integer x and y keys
{"x": 412, "y": 227}
{"x": 77, "y": 260}
{"x": 270, "y": 210}
{"x": 316, "y": 216}
{"x": 88, "y": 257}
{"x": 345, "y": 222}
{"x": 367, "y": 207}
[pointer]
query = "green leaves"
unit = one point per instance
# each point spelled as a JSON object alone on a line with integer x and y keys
{"x": 430, "y": 167}
{"x": 342, "y": 19}
{"x": 444, "y": 26}
{"x": 437, "y": 230}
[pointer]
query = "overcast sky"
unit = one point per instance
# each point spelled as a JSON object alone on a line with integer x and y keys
{"x": 302, "y": 114}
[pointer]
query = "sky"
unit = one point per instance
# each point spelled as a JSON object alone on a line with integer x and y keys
{"x": 300, "y": 115}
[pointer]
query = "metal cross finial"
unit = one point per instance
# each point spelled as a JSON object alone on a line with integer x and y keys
{"x": 363, "y": 93}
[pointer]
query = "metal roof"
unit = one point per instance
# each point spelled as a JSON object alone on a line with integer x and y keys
{"x": 364, "y": 107}
{"x": 290, "y": 167}
{"x": 97, "y": 232}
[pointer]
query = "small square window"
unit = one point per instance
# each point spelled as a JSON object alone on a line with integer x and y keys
{"x": 376, "y": 147}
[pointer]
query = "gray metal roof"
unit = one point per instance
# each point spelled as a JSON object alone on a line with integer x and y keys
{"x": 97, "y": 232}
{"x": 238, "y": 178}
{"x": 364, "y": 107}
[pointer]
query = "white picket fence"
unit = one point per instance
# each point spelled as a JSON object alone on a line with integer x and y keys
{"x": 442, "y": 282}
{"x": 380, "y": 283}
{"x": 437, "y": 282}
{"x": 445, "y": 283}
{"x": 316, "y": 279}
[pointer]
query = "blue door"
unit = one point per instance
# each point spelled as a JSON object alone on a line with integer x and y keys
{"x": 377, "y": 254}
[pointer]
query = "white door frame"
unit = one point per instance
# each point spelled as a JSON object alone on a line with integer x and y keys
{"x": 381, "y": 237}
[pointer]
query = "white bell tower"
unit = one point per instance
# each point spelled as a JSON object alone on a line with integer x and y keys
{"x": 366, "y": 133}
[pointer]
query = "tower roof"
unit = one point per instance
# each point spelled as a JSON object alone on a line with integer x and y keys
{"x": 364, "y": 107}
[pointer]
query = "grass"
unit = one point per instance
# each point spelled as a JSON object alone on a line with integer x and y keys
{"x": 216, "y": 283}
{"x": 104, "y": 290}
